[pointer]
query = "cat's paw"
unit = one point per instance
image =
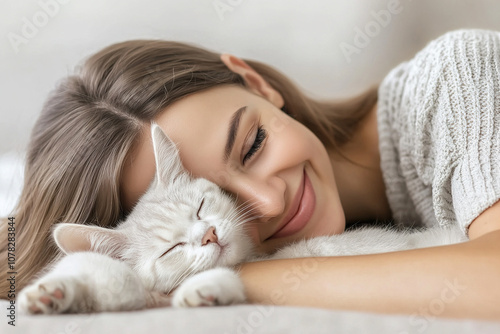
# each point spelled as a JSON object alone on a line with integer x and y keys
{"x": 219, "y": 286}
{"x": 47, "y": 297}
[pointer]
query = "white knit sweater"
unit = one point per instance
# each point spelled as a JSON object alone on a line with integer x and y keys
{"x": 439, "y": 131}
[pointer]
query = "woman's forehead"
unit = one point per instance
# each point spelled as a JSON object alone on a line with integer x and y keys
{"x": 198, "y": 125}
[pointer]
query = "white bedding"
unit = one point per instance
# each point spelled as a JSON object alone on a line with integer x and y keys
{"x": 242, "y": 319}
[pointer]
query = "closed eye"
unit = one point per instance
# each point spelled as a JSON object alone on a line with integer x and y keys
{"x": 178, "y": 244}
{"x": 199, "y": 209}
{"x": 260, "y": 136}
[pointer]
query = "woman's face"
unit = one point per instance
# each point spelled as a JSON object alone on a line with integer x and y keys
{"x": 249, "y": 147}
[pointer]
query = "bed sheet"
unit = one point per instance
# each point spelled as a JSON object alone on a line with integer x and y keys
{"x": 242, "y": 319}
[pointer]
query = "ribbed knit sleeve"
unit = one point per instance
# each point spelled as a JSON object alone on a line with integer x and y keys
{"x": 439, "y": 130}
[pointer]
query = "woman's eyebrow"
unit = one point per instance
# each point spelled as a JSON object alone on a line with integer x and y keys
{"x": 232, "y": 131}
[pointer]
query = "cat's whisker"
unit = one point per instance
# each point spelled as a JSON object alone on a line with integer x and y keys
{"x": 247, "y": 216}
{"x": 182, "y": 277}
{"x": 245, "y": 205}
{"x": 256, "y": 210}
{"x": 236, "y": 220}
{"x": 248, "y": 212}
{"x": 196, "y": 262}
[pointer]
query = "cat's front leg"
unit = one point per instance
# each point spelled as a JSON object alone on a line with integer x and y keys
{"x": 52, "y": 296}
{"x": 85, "y": 282}
{"x": 218, "y": 286}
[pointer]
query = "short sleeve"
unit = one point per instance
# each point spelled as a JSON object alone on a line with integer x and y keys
{"x": 439, "y": 130}
{"x": 470, "y": 91}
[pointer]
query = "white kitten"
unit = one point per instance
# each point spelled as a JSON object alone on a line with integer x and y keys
{"x": 184, "y": 234}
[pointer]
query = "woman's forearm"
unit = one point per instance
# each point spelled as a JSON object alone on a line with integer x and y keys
{"x": 461, "y": 280}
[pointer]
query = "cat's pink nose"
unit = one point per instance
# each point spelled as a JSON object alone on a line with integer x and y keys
{"x": 210, "y": 236}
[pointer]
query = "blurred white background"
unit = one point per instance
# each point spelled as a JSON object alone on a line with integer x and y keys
{"x": 329, "y": 48}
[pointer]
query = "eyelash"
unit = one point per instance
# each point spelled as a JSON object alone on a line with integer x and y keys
{"x": 179, "y": 244}
{"x": 199, "y": 209}
{"x": 259, "y": 138}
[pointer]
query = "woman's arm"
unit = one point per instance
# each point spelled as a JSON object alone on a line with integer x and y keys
{"x": 461, "y": 280}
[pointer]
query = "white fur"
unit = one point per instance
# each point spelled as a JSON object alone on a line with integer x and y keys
{"x": 371, "y": 240}
{"x": 90, "y": 282}
{"x": 218, "y": 286}
{"x": 99, "y": 260}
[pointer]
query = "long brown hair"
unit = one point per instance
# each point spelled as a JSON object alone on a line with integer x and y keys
{"x": 91, "y": 120}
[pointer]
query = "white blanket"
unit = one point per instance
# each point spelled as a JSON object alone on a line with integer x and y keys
{"x": 241, "y": 319}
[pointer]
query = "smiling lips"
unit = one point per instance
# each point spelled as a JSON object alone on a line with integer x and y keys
{"x": 300, "y": 210}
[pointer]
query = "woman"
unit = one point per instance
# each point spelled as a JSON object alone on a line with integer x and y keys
{"x": 425, "y": 153}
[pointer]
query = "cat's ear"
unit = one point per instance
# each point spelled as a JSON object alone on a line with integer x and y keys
{"x": 72, "y": 238}
{"x": 167, "y": 160}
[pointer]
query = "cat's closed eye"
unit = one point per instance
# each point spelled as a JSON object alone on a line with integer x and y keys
{"x": 171, "y": 248}
{"x": 199, "y": 209}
